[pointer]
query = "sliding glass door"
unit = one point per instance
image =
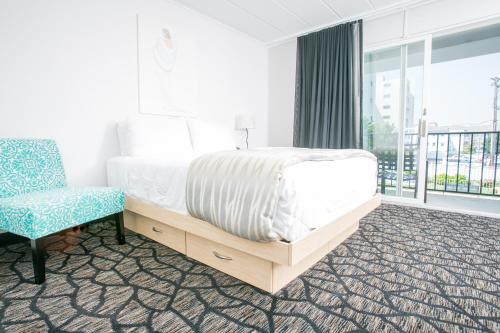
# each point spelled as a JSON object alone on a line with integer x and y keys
{"x": 394, "y": 116}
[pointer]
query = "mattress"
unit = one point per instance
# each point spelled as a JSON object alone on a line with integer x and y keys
{"x": 313, "y": 193}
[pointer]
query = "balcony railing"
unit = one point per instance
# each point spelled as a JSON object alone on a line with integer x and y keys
{"x": 464, "y": 162}
{"x": 459, "y": 162}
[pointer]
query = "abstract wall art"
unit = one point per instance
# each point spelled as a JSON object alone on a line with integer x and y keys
{"x": 167, "y": 67}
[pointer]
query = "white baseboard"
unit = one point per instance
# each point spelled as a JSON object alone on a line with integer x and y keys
{"x": 440, "y": 208}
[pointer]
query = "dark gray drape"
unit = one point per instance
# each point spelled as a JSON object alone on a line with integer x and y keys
{"x": 328, "y": 88}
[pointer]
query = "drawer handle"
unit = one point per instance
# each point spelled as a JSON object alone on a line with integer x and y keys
{"x": 220, "y": 256}
{"x": 157, "y": 230}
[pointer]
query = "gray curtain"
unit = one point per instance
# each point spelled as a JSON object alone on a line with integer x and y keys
{"x": 328, "y": 88}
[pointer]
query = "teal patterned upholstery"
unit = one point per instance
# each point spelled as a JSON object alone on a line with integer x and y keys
{"x": 34, "y": 198}
{"x": 28, "y": 166}
{"x": 38, "y": 214}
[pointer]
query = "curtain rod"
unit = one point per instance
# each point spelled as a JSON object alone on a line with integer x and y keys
{"x": 333, "y": 26}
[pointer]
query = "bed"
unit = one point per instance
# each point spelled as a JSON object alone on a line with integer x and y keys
{"x": 319, "y": 204}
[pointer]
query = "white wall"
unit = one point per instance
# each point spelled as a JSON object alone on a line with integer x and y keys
{"x": 68, "y": 71}
{"x": 432, "y": 17}
{"x": 282, "y": 93}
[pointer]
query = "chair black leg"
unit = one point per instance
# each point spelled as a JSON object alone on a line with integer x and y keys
{"x": 38, "y": 254}
{"x": 120, "y": 228}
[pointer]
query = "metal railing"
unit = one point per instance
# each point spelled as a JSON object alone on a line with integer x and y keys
{"x": 464, "y": 162}
{"x": 459, "y": 162}
{"x": 388, "y": 161}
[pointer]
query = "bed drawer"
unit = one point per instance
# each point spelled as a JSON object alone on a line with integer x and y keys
{"x": 161, "y": 233}
{"x": 243, "y": 266}
{"x": 129, "y": 220}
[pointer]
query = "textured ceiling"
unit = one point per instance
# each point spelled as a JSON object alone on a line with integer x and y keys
{"x": 275, "y": 20}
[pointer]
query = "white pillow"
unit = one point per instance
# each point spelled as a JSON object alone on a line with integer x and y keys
{"x": 122, "y": 128}
{"x": 155, "y": 137}
{"x": 207, "y": 137}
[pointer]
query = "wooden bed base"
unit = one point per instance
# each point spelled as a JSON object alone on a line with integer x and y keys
{"x": 268, "y": 266}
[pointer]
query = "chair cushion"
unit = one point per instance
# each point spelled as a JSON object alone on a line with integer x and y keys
{"x": 38, "y": 214}
{"x": 29, "y": 165}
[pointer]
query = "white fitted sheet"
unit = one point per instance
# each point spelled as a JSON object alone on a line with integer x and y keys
{"x": 158, "y": 181}
{"x": 313, "y": 193}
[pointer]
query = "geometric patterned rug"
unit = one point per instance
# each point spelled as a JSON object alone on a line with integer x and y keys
{"x": 406, "y": 269}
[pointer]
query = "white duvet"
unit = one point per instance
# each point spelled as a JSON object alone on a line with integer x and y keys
{"x": 313, "y": 193}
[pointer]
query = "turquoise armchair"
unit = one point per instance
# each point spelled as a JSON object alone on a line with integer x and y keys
{"x": 35, "y": 201}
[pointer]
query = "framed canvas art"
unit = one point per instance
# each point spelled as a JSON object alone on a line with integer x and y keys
{"x": 167, "y": 67}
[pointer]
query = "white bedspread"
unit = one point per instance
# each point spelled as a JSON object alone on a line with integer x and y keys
{"x": 313, "y": 193}
{"x": 316, "y": 193}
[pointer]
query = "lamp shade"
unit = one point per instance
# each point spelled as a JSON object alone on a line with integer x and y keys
{"x": 244, "y": 121}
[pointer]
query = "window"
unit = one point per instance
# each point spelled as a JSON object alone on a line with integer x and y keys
{"x": 464, "y": 66}
{"x": 463, "y": 121}
{"x": 393, "y": 79}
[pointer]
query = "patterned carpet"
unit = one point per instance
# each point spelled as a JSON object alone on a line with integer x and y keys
{"x": 406, "y": 269}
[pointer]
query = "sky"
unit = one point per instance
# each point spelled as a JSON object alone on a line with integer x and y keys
{"x": 461, "y": 91}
